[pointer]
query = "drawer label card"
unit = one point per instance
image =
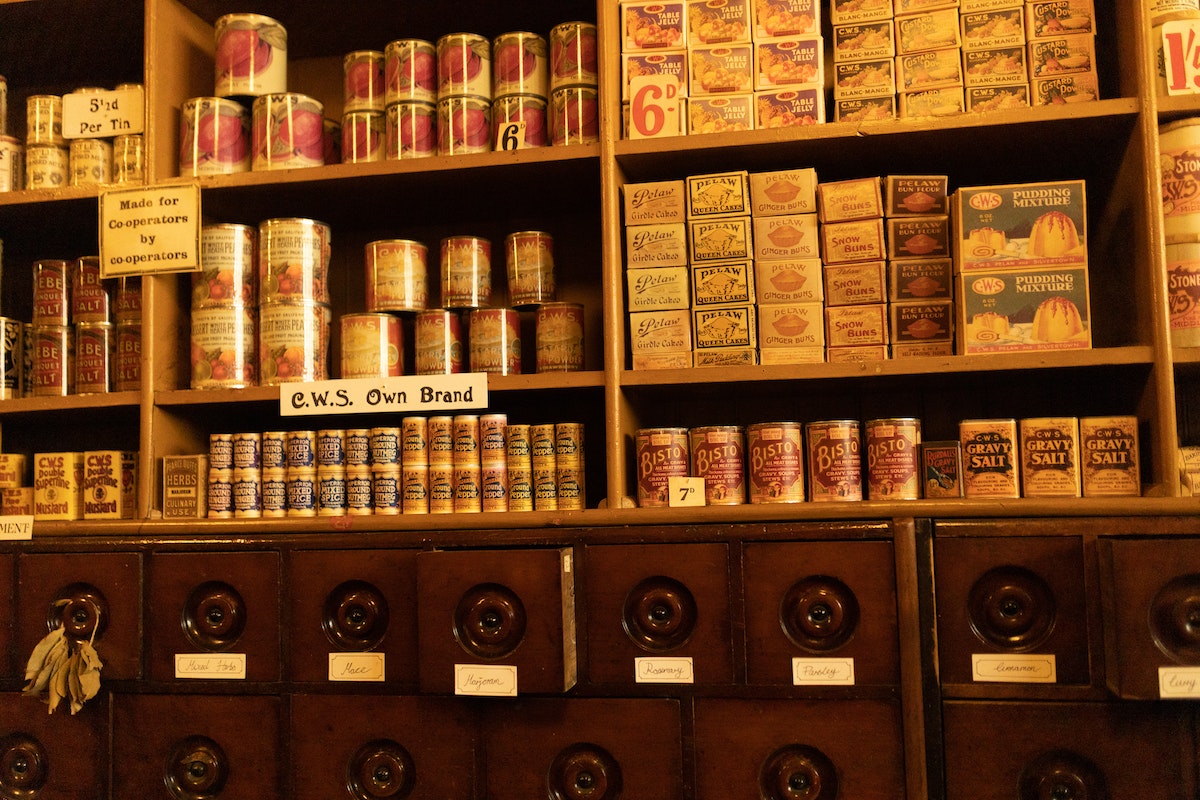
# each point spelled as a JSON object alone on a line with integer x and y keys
{"x": 16, "y": 527}
{"x": 1018, "y": 668}
{"x": 149, "y": 230}
{"x": 1179, "y": 683}
{"x": 685, "y": 491}
{"x": 485, "y": 680}
{"x": 93, "y": 115}
{"x": 356, "y": 667}
{"x": 664, "y": 670}
{"x": 822, "y": 671}
{"x": 374, "y": 395}
{"x": 207, "y": 666}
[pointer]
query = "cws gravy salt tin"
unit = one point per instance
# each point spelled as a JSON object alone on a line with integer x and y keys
{"x": 990, "y": 459}
{"x": 1109, "y": 456}
{"x": 834, "y": 460}
{"x": 775, "y": 462}
{"x": 893, "y": 458}
{"x": 1050, "y": 457}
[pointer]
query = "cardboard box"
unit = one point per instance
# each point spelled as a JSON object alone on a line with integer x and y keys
{"x": 847, "y": 12}
{"x": 1062, "y": 55}
{"x": 653, "y": 26}
{"x": 919, "y": 237}
{"x": 723, "y": 283}
{"x": 1051, "y": 18}
{"x": 774, "y": 194}
{"x": 724, "y": 327}
{"x": 921, "y": 322}
{"x": 720, "y": 194}
{"x": 786, "y": 18}
{"x": 720, "y": 69}
{"x": 789, "y": 107}
{"x": 1050, "y": 457}
{"x": 932, "y": 103}
{"x": 776, "y": 356}
{"x": 720, "y": 113}
{"x": 789, "y": 63}
{"x": 1006, "y": 311}
{"x": 719, "y": 23}
{"x": 922, "y": 350}
{"x": 785, "y": 282}
{"x": 797, "y": 325}
{"x": 856, "y": 284}
{"x": 727, "y": 357}
{"x": 1080, "y": 87}
{"x": 109, "y": 484}
{"x": 844, "y": 201}
{"x": 1027, "y": 225}
{"x": 998, "y": 27}
{"x": 855, "y": 326}
{"x": 663, "y": 245}
{"x": 58, "y": 486}
{"x": 941, "y": 464}
{"x": 903, "y": 7}
{"x": 655, "y": 203}
{"x": 16, "y": 502}
{"x": 929, "y": 30}
{"x": 1109, "y": 458}
{"x": 652, "y": 332}
{"x": 864, "y": 109}
{"x": 855, "y": 79}
{"x": 996, "y": 98}
{"x": 677, "y": 360}
{"x": 920, "y": 279}
{"x": 991, "y": 460}
{"x": 857, "y": 355}
{"x": 866, "y": 41}
{"x": 672, "y": 63}
{"x": 1000, "y": 67}
{"x": 185, "y": 487}
{"x": 929, "y": 69}
{"x": 848, "y": 242}
{"x": 13, "y": 470}
{"x": 915, "y": 195}
{"x": 719, "y": 239}
{"x": 786, "y": 238}
{"x": 657, "y": 289}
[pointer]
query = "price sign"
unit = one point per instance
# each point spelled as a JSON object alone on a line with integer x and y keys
{"x": 685, "y": 492}
{"x": 93, "y": 115}
{"x": 150, "y": 230}
{"x": 511, "y": 135}
{"x": 654, "y": 107}
{"x": 1181, "y": 56}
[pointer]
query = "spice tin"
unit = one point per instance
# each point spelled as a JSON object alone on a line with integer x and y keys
{"x": 464, "y": 66}
{"x": 293, "y": 260}
{"x": 441, "y": 489}
{"x": 573, "y": 55}
{"x": 363, "y": 82}
{"x": 574, "y": 118}
{"x": 942, "y": 467}
{"x": 519, "y": 122}
{"x": 220, "y": 450}
{"x": 273, "y": 449}
{"x": 331, "y": 491}
{"x": 302, "y": 491}
{"x": 293, "y": 342}
{"x": 46, "y": 166}
{"x": 247, "y": 492}
{"x": 410, "y": 130}
{"x": 288, "y": 132}
{"x": 385, "y": 447}
{"x": 301, "y": 449}
{"x": 90, "y": 162}
{"x": 662, "y": 454}
{"x": 331, "y": 447}
{"x": 358, "y": 447}
{"x": 466, "y": 439}
{"x": 251, "y": 56}
{"x": 127, "y": 300}
{"x": 834, "y": 460}
{"x": 90, "y": 299}
{"x": 990, "y": 461}
{"x": 53, "y": 369}
{"x": 95, "y": 344}
{"x": 12, "y": 164}
{"x": 466, "y": 264}
{"x": 414, "y": 440}
{"x": 493, "y": 448}
{"x": 893, "y": 458}
{"x": 386, "y": 489}
{"x": 464, "y": 125}
{"x": 224, "y": 347}
{"x": 543, "y": 444}
{"x": 718, "y": 456}
{"x": 129, "y": 159}
{"x": 220, "y": 493}
{"x": 360, "y": 499}
{"x": 227, "y": 275}
{"x": 529, "y": 262}
{"x": 495, "y": 341}
{"x": 371, "y": 346}
{"x": 414, "y": 480}
{"x": 569, "y": 487}
{"x": 274, "y": 492}
{"x": 441, "y": 440}
{"x": 775, "y": 462}
{"x": 396, "y": 275}
{"x": 568, "y": 443}
{"x": 1109, "y": 457}
{"x": 468, "y": 489}
{"x": 1179, "y": 143}
{"x": 214, "y": 137}
{"x": 545, "y": 487}
{"x": 43, "y": 120}
{"x": 493, "y": 487}
{"x": 439, "y": 349}
{"x": 410, "y": 71}
{"x": 12, "y": 356}
{"x": 519, "y": 64}
{"x": 51, "y": 292}
{"x": 1050, "y": 457}
{"x": 1183, "y": 289}
{"x": 520, "y": 487}
{"x": 362, "y": 137}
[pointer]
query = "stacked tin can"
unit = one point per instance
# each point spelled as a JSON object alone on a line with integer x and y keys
{"x": 442, "y": 458}
{"x": 568, "y": 466}
{"x": 47, "y": 157}
{"x": 300, "y": 448}
{"x": 410, "y": 96}
{"x": 414, "y": 464}
{"x": 360, "y": 498}
{"x": 214, "y": 137}
{"x": 493, "y": 461}
{"x": 574, "y": 107}
{"x": 372, "y": 343}
{"x": 224, "y": 342}
{"x": 294, "y": 316}
{"x": 363, "y": 107}
{"x": 331, "y": 473}
{"x": 274, "y": 456}
{"x": 543, "y": 451}
{"x": 12, "y": 152}
{"x": 72, "y": 311}
{"x": 519, "y": 90}
{"x": 464, "y": 105}
{"x": 529, "y": 259}
{"x": 518, "y": 452}
{"x": 384, "y": 447}
{"x": 468, "y": 473}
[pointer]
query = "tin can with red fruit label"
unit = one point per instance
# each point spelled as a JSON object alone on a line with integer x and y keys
{"x": 251, "y": 56}
{"x": 519, "y": 64}
{"x": 362, "y": 137}
{"x": 371, "y": 346}
{"x": 410, "y": 130}
{"x": 464, "y": 66}
{"x": 91, "y": 300}
{"x": 495, "y": 341}
{"x": 224, "y": 347}
{"x": 214, "y": 137}
{"x": 519, "y": 122}
{"x": 529, "y": 261}
{"x": 573, "y": 55}
{"x": 362, "y": 71}
{"x": 466, "y": 263}
{"x": 439, "y": 348}
{"x": 293, "y": 342}
{"x": 410, "y": 71}
{"x": 573, "y": 116}
{"x": 227, "y": 268}
{"x": 95, "y": 344}
{"x": 288, "y": 132}
{"x": 293, "y": 260}
{"x": 397, "y": 275}
{"x": 464, "y": 125}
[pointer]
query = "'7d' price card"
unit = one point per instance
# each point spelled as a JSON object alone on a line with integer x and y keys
{"x": 655, "y": 107}
{"x": 149, "y": 230}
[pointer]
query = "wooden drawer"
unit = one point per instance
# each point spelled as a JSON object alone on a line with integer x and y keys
{"x": 583, "y": 748}
{"x": 1152, "y": 616}
{"x": 214, "y": 604}
{"x": 1012, "y": 616}
{"x": 358, "y": 606}
{"x": 496, "y": 621}
{"x": 780, "y": 749}
{"x": 1000, "y": 751}
{"x": 104, "y": 594}
{"x": 658, "y": 614}
{"x": 821, "y": 613}
{"x": 422, "y": 748}
{"x": 8, "y": 614}
{"x": 45, "y": 756}
{"x": 198, "y": 746}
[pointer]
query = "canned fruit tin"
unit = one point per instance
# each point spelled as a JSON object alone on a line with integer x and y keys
{"x": 288, "y": 132}
{"x": 574, "y": 118}
{"x": 396, "y": 275}
{"x": 90, "y": 162}
{"x": 519, "y": 122}
{"x": 662, "y": 454}
{"x": 227, "y": 267}
{"x": 293, "y": 342}
{"x": 775, "y": 462}
{"x": 95, "y": 344}
{"x": 893, "y": 459}
{"x": 464, "y": 66}
{"x": 251, "y": 55}
{"x": 90, "y": 296}
{"x": 529, "y": 261}
{"x": 362, "y": 137}
{"x": 834, "y": 460}
{"x": 573, "y": 55}
{"x": 495, "y": 341}
{"x": 990, "y": 462}
{"x": 464, "y": 125}
{"x": 293, "y": 260}
{"x": 371, "y": 346}
{"x": 51, "y": 292}
{"x": 363, "y": 82}
{"x": 439, "y": 348}
{"x": 410, "y": 130}
{"x": 43, "y": 120}
{"x": 410, "y": 71}
{"x": 466, "y": 265}
{"x": 46, "y": 166}
{"x": 224, "y": 347}
{"x": 519, "y": 64}
{"x": 129, "y": 159}
{"x": 718, "y": 456}
{"x": 559, "y": 335}
{"x": 53, "y": 370}
{"x": 214, "y": 137}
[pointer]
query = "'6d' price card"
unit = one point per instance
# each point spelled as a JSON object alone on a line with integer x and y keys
{"x": 1181, "y": 56}
{"x": 655, "y": 107}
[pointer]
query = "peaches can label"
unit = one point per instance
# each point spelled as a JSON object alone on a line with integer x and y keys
{"x": 214, "y": 137}
{"x": 573, "y": 55}
{"x": 293, "y": 260}
{"x": 223, "y": 347}
{"x": 288, "y": 132}
{"x": 834, "y": 460}
{"x": 410, "y": 71}
{"x": 227, "y": 267}
{"x": 410, "y": 130}
{"x": 464, "y": 125}
{"x": 574, "y": 117}
{"x": 464, "y": 66}
{"x": 894, "y": 459}
{"x": 293, "y": 342}
{"x": 363, "y": 83}
{"x": 519, "y": 64}
{"x": 362, "y": 137}
{"x": 775, "y": 462}
{"x": 519, "y": 122}
{"x": 396, "y": 278}
{"x": 251, "y": 56}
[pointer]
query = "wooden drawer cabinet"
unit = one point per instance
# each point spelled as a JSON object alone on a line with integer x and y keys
{"x": 52, "y": 757}
{"x": 9, "y": 670}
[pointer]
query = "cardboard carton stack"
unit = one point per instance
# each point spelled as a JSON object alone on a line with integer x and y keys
{"x": 920, "y": 271}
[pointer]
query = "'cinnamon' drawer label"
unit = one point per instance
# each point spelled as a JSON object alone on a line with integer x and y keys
{"x": 1014, "y": 668}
